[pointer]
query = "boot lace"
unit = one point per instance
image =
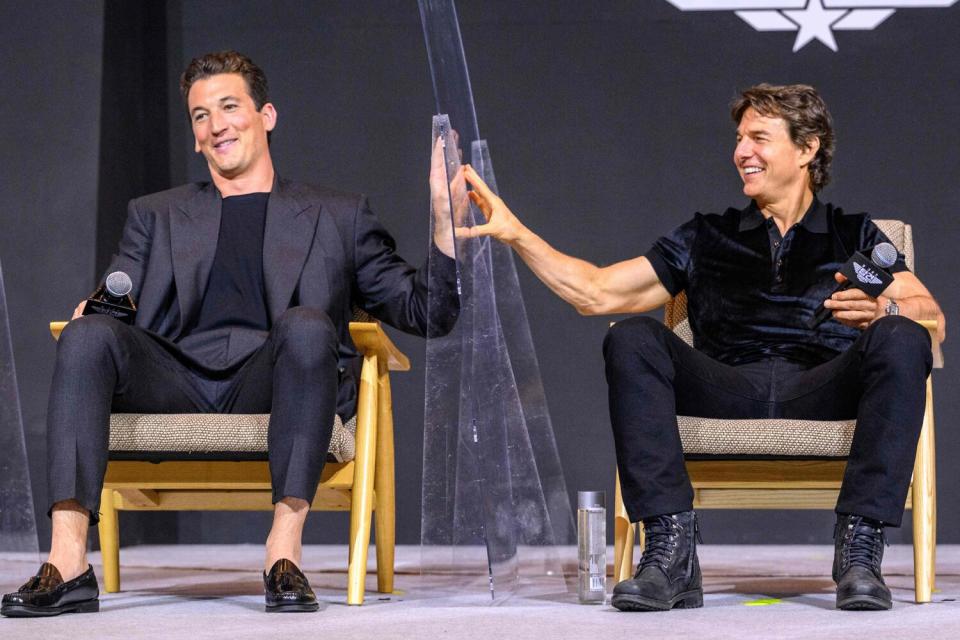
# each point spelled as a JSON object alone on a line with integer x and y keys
{"x": 661, "y": 535}
{"x": 865, "y": 544}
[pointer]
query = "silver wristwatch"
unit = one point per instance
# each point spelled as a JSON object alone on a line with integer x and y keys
{"x": 892, "y": 308}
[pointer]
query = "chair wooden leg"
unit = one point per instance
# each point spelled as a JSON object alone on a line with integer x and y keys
{"x": 109, "y": 530}
{"x": 924, "y": 496}
{"x": 623, "y": 535}
{"x": 361, "y": 509}
{"x": 385, "y": 487}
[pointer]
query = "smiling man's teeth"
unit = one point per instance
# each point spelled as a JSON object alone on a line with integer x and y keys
{"x": 750, "y": 170}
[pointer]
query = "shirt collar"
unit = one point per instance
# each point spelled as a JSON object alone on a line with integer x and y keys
{"x": 814, "y": 220}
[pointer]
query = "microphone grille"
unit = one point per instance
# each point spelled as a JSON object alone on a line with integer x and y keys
{"x": 119, "y": 283}
{"x": 884, "y": 255}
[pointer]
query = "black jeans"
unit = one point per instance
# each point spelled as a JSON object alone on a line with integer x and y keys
{"x": 104, "y": 365}
{"x": 654, "y": 376}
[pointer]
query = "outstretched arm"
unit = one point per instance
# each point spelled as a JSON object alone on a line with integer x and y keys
{"x": 631, "y": 286}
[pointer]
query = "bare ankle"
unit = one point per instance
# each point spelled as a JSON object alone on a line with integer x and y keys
{"x": 68, "y": 546}
{"x": 286, "y": 533}
{"x": 280, "y": 550}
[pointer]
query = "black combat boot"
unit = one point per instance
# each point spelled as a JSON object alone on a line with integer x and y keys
{"x": 668, "y": 575}
{"x": 858, "y": 552}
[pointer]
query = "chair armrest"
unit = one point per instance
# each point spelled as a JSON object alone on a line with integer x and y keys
{"x": 371, "y": 339}
{"x": 932, "y": 326}
{"x": 368, "y": 336}
{"x": 56, "y": 328}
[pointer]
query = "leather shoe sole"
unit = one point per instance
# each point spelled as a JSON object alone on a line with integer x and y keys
{"x": 30, "y": 611}
{"x": 292, "y": 607}
{"x": 864, "y": 603}
{"x": 687, "y": 600}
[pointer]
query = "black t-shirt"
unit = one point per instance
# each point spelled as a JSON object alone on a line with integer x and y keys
{"x": 751, "y": 293}
{"x": 235, "y": 295}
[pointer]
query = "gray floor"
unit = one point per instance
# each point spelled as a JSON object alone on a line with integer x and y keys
{"x": 751, "y": 592}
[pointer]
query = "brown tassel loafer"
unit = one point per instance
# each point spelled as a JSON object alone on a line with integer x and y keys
{"x": 286, "y": 589}
{"x": 46, "y": 594}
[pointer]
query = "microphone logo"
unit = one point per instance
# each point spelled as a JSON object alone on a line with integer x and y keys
{"x": 866, "y": 275}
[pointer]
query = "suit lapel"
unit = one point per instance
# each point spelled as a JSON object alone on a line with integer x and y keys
{"x": 194, "y": 230}
{"x": 287, "y": 238}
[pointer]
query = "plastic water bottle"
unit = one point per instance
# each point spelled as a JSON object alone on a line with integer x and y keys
{"x": 592, "y": 546}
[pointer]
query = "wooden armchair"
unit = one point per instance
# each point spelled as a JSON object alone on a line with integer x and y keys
{"x": 790, "y": 482}
{"x": 187, "y": 479}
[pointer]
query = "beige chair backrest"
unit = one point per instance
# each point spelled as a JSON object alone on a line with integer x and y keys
{"x": 900, "y": 234}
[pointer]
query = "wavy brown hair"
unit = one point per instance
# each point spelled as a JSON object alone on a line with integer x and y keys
{"x": 213, "y": 64}
{"x": 806, "y": 115}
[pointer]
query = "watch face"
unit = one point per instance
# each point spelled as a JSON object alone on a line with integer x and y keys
{"x": 893, "y": 309}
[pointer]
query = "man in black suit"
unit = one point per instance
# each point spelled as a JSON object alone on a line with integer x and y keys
{"x": 245, "y": 287}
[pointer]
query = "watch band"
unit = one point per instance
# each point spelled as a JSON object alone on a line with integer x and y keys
{"x": 892, "y": 308}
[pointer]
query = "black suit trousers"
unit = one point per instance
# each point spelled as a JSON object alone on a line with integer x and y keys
{"x": 654, "y": 376}
{"x": 106, "y": 366}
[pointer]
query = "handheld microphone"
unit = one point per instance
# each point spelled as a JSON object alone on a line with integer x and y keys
{"x": 870, "y": 275}
{"x": 112, "y": 298}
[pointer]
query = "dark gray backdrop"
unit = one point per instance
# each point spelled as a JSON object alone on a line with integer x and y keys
{"x": 608, "y": 126}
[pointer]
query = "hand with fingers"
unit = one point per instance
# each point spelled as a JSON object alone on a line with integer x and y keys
{"x": 441, "y": 195}
{"x": 854, "y": 308}
{"x": 501, "y": 223}
{"x": 78, "y": 312}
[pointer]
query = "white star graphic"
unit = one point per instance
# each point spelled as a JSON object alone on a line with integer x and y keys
{"x": 815, "y": 22}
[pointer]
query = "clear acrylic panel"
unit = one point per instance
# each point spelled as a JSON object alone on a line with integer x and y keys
{"x": 495, "y": 504}
{"x": 448, "y": 68}
{"x": 18, "y": 528}
{"x": 526, "y": 370}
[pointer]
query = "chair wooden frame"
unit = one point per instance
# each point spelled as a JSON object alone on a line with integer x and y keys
{"x": 801, "y": 484}
{"x": 360, "y": 486}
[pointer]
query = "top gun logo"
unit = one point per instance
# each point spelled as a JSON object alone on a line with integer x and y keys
{"x": 866, "y": 275}
{"x": 812, "y": 19}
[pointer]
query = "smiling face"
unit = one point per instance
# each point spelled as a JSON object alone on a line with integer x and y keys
{"x": 229, "y": 130}
{"x": 771, "y": 166}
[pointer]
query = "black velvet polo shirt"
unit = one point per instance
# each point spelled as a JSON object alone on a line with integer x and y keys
{"x": 751, "y": 293}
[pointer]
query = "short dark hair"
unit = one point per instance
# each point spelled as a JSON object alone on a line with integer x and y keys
{"x": 806, "y": 115}
{"x": 213, "y": 64}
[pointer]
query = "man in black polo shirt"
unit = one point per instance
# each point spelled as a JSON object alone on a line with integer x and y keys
{"x": 754, "y": 279}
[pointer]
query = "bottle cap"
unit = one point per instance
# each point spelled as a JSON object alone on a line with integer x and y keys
{"x": 591, "y": 499}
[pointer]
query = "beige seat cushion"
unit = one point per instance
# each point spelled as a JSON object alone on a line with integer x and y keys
{"x": 210, "y": 433}
{"x": 767, "y": 437}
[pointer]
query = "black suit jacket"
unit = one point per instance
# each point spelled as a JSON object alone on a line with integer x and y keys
{"x": 321, "y": 248}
